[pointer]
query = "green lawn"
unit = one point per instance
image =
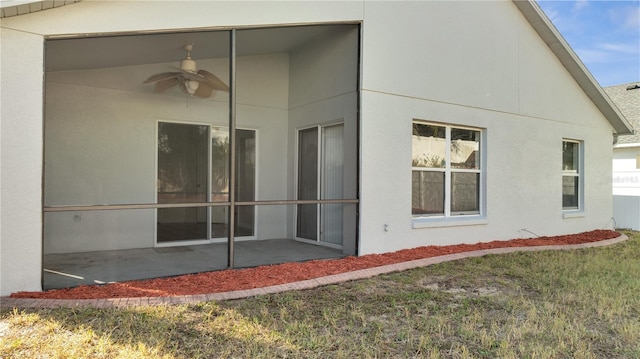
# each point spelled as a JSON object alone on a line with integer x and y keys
{"x": 556, "y": 304}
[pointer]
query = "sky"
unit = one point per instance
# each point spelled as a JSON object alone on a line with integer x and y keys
{"x": 605, "y": 34}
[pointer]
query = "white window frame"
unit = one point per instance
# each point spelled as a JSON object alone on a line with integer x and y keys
{"x": 579, "y": 173}
{"x": 449, "y": 218}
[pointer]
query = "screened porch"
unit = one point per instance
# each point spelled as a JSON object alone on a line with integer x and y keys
{"x": 156, "y": 143}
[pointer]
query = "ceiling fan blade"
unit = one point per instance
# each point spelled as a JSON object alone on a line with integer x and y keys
{"x": 164, "y": 85}
{"x": 161, "y": 76}
{"x": 214, "y": 81}
{"x": 204, "y": 90}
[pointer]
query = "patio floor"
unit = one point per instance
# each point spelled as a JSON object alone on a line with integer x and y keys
{"x": 74, "y": 269}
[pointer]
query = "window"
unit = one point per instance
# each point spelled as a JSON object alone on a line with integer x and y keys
{"x": 571, "y": 175}
{"x": 446, "y": 177}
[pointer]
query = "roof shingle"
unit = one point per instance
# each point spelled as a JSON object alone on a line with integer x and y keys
{"x": 627, "y": 98}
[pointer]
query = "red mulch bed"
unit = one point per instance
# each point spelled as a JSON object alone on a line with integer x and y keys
{"x": 238, "y": 279}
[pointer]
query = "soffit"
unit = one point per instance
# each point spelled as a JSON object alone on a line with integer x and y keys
{"x": 10, "y": 8}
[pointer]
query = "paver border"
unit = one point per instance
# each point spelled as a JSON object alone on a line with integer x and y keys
{"x": 8, "y": 302}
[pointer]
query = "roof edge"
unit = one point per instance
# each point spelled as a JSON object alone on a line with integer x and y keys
{"x": 627, "y": 145}
{"x": 22, "y": 7}
{"x": 559, "y": 46}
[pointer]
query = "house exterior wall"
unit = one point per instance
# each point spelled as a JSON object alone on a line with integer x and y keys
{"x": 626, "y": 174}
{"x": 20, "y": 161}
{"x": 626, "y": 158}
{"x": 626, "y": 211}
{"x": 626, "y": 186}
{"x": 490, "y": 71}
{"x": 476, "y": 64}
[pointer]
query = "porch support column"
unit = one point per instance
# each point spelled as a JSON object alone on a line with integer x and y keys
{"x": 232, "y": 147}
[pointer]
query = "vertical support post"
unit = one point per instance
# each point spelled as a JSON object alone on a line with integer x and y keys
{"x": 232, "y": 147}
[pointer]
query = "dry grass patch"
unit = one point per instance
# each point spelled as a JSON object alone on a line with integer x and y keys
{"x": 555, "y": 304}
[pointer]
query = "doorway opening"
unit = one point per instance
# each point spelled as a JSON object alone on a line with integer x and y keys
{"x": 193, "y": 167}
{"x": 320, "y": 177}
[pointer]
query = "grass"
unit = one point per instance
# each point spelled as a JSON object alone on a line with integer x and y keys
{"x": 555, "y": 304}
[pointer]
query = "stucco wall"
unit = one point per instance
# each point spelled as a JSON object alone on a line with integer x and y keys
{"x": 480, "y": 65}
{"x": 626, "y": 211}
{"x": 20, "y": 161}
{"x": 626, "y": 175}
{"x": 626, "y": 187}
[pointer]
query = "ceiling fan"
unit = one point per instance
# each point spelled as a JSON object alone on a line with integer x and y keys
{"x": 200, "y": 83}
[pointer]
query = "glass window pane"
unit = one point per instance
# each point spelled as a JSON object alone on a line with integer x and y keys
{"x": 465, "y": 193}
{"x": 332, "y": 186}
{"x": 332, "y": 223}
{"x": 308, "y": 164}
{"x": 332, "y": 166}
{"x": 570, "y": 156}
{"x": 245, "y": 181}
{"x": 307, "y": 221}
{"x": 220, "y": 222}
{"x": 428, "y": 146}
{"x": 307, "y": 215}
{"x": 427, "y": 193}
{"x": 182, "y": 162}
{"x": 219, "y": 164}
{"x": 182, "y": 224}
{"x": 465, "y": 148}
{"x": 570, "y": 192}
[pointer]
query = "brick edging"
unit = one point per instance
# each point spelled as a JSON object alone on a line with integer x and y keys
{"x": 7, "y": 302}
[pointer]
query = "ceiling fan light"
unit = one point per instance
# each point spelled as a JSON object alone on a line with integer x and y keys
{"x": 192, "y": 86}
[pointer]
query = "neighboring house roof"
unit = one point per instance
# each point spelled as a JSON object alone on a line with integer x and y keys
{"x": 20, "y": 7}
{"x": 551, "y": 36}
{"x": 627, "y": 98}
{"x": 529, "y": 9}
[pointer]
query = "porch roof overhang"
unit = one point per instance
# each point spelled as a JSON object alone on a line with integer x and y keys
{"x": 10, "y": 8}
{"x": 559, "y": 46}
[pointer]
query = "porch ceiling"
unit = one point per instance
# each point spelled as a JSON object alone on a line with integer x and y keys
{"x": 79, "y": 53}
